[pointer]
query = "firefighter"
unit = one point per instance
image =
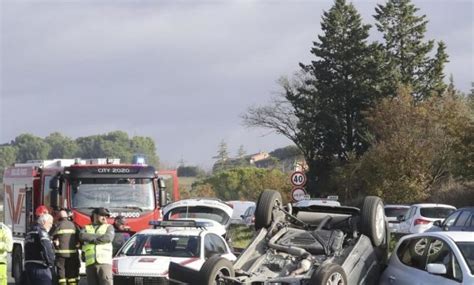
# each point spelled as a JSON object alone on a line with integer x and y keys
{"x": 6, "y": 245}
{"x": 97, "y": 245}
{"x": 121, "y": 234}
{"x": 65, "y": 237}
{"x": 39, "y": 254}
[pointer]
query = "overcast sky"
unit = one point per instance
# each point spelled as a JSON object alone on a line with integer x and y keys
{"x": 180, "y": 72}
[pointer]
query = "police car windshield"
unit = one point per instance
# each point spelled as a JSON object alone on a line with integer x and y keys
{"x": 113, "y": 193}
{"x": 162, "y": 245}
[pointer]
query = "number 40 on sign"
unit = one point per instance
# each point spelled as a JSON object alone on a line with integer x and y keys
{"x": 298, "y": 178}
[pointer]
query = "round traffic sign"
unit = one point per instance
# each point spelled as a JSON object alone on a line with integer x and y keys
{"x": 298, "y": 178}
{"x": 298, "y": 194}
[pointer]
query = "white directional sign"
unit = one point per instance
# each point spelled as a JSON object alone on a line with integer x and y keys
{"x": 298, "y": 194}
{"x": 298, "y": 179}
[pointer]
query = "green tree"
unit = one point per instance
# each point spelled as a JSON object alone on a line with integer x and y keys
{"x": 245, "y": 183}
{"x": 241, "y": 152}
{"x": 146, "y": 146}
{"x": 222, "y": 157}
{"x": 8, "y": 156}
{"x": 405, "y": 58}
{"x": 416, "y": 146}
{"x": 30, "y": 147}
{"x": 326, "y": 100}
{"x": 61, "y": 146}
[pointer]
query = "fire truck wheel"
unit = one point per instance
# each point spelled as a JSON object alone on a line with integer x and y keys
{"x": 17, "y": 266}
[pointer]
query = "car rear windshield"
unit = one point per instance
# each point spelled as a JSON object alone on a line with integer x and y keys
{"x": 436, "y": 212}
{"x": 162, "y": 245}
{"x": 395, "y": 212}
{"x": 467, "y": 250}
{"x": 198, "y": 212}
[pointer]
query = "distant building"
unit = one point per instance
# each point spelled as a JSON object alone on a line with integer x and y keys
{"x": 258, "y": 156}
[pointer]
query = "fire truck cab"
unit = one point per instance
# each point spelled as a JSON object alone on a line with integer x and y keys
{"x": 135, "y": 191}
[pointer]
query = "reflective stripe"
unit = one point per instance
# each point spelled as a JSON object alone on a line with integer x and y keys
{"x": 36, "y": 261}
{"x": 66, "y": 251}
{"x": 66, "y": 231}
{"x": 73, "y": 280}
{"x": 62, "y": 280}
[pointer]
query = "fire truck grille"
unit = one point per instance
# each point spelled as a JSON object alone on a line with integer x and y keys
{"x": 138, "y": 280}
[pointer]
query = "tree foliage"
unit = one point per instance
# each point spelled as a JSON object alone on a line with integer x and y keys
{"x": 416, "y": 146}
{"x": 244, "y": 183}
{"x": 115, "y": 144}
{"x": 321, "y": 111}
{"x": 406, "y": 59}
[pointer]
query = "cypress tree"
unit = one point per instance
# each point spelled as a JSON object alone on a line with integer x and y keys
{"x": 406, "y": 58}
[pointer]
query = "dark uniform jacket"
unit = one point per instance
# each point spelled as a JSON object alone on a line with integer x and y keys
{"x": 38, "y": 247}
{"x": 67, "y": 234}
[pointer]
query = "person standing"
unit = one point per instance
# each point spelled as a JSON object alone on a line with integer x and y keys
{"x": 65, "y": 237}
{"x": 39, "y": 254}
{"x": 121, "y": 234}
{"x": 6, "y": 245}
{"x": 97, "y": 245}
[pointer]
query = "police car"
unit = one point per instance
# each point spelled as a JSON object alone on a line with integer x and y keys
{"x": 214, "y": 212}
{"x": 145, "y": 258}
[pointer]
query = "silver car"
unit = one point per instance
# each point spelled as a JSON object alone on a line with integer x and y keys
{"x": 441, "y": 258}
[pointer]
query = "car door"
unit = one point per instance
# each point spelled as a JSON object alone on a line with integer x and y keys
{"x": 441, "y": 253}
{"x": 408, "y": 265}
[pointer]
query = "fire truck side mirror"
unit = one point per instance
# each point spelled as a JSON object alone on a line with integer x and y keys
{"x": 54, "y": 199}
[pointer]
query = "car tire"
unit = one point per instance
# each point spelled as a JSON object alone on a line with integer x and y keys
{"x": 372, "y": 220}
{"x": 215, "y": 267}
{"x": 329, "y": 274}
{"x": 264, "y": 210}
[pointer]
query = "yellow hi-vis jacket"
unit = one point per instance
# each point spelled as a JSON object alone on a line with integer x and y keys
{"x": 98, "y": 253}
{"x": 6, "y": 242}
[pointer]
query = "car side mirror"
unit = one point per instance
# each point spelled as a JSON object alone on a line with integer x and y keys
{"x": 401, "y": 218}
{"x": 437, "y": 223}
{"x": 436, "y": 268}
{"x": 242, "y": 216}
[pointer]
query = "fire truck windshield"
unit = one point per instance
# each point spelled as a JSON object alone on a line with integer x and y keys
{"x": 113, "y": 193}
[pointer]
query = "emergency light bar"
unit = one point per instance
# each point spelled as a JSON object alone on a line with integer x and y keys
{"x": 179, "y": 224}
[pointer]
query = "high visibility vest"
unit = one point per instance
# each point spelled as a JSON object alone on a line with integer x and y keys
{"x": 98, "y": 253}
{"x": 6, "y": 242}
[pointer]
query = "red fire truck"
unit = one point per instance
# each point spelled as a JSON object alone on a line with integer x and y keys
{"x": 135, "y": 191}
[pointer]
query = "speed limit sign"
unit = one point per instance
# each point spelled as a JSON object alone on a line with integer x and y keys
{"x": 298, "y": 194}
{"x": 298, "y": 178}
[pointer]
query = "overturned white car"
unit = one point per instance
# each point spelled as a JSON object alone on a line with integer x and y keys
{"x": 303, "y": 245}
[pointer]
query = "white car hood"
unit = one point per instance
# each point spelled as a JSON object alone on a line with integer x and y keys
{"x": 152, "y": 265}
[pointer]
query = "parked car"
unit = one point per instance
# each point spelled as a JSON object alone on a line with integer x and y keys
{"x": 420, "y": 217}
{"x": 303, "y": 245}
{"x": 441, "y": 258}
{"x": 145, "y": 258}
{"x": 240, "y": 214}
{"x": 249, "y": 216}
{"x": 214, "y": 212}
{"x": 460, "y": 220}
{"x": 392, "y": 212}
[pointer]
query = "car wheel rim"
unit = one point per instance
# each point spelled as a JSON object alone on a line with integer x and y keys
{"x": 435, "y": 247}
{"x": 335, "y": 279}
{"x": 380, "y": 222}
{"x": 420, "y": 246}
